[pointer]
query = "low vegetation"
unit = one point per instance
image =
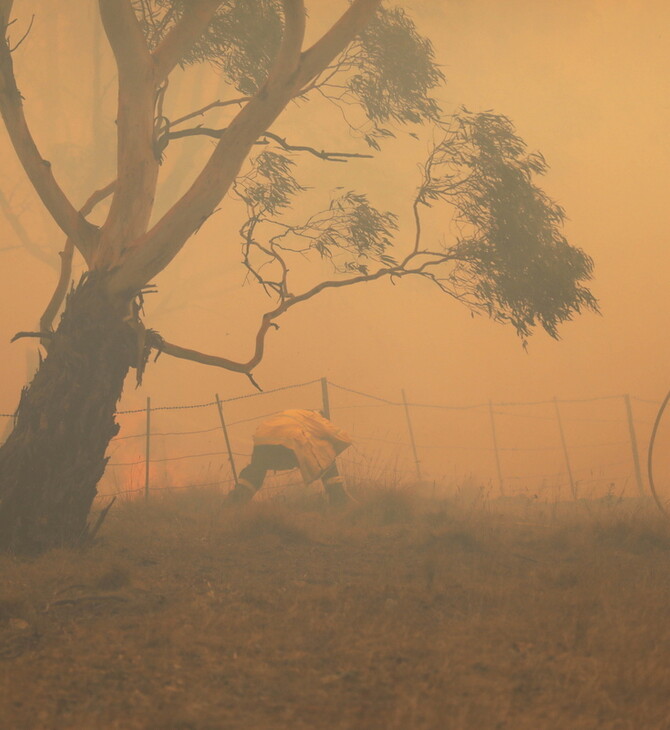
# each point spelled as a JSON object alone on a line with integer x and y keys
{"x": 399, "y": 613}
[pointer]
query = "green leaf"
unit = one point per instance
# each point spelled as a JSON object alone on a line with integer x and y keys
{"x": 270, "y": 185}
{"x": 242, "y": 39}
{"x": 515, "y": 261}
{"x": 394, "y": 70}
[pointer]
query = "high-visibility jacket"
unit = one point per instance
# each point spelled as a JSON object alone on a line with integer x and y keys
{"x": 314, "y": 440}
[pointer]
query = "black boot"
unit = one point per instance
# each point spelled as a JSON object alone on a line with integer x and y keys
{"x": 240, "y": 494}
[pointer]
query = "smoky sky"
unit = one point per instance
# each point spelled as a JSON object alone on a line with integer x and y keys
{"x": 586, "y": 83}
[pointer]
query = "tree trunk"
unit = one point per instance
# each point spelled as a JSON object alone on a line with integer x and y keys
{"x": 53, "y": 459}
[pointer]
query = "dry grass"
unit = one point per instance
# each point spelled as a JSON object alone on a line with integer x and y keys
{"x": 396, "y": 613}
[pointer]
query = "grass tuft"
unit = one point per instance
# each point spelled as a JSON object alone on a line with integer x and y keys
{"x": 397, "y": 612}
{"x": 387, "y": 506}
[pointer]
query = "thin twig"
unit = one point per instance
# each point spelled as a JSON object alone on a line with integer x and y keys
{"x": 331, "y": 156}
{"x": 89, "y": 535}
{"x": 25, "y": 35}
{"x": 281, "y": 141}
{"x": 212, "y": 105}
{"x": 20, "y": 335}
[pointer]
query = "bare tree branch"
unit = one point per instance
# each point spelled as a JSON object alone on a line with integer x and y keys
{"x": 137, "y": 164}
{"x": 163, "y": 346}
{"x": 280, "y": 288}
{"x": 155, "y": 341}
{"x": 36, "y": 167}
{"x": 281, "y": 141}
{"x": 322, "y": 154}
{"x": 419, "y": 261}
{"x": 46, "y": 320}
{"x": 212, "y": 105}
{"x": 290, "y": 72}
{"x": 160, "y": 245}
{"x": 24, "y": 36}
{"x": 288, "y": 57}
{"x": 317, "y": 58}
{"x": 97, "y": 197}
{"x": 197, "y": 132}
{"x": 22, "y": 335}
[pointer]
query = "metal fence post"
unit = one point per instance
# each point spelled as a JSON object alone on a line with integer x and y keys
{"x": 147, "y": 456}
{"x": 633, "y": 445}
{"x": 225, "y": 434}
{"x": 496, "y": 449}
{"x": 564, "y": 444}
{"x": 325, "y": 399}
{"x": 417, "y": 463}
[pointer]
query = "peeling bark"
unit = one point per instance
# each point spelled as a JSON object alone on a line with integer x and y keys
{"x": 53, "y": 459}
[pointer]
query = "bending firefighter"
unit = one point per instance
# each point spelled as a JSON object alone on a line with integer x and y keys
{"x": 290, "y": 439}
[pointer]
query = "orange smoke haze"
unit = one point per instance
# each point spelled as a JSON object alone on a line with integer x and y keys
{"x": 586, "y": 83}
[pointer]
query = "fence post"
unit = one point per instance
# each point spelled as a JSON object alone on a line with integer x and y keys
{"x": 633, "y": 445}
{"x": 496, "y": 449}
{"x": 566, "y": 455}
{"x": 225, "y": 434}
{"x": 411, "y": 437}
{"x": 147, "y": 456}
{"x": 325, "y": 400}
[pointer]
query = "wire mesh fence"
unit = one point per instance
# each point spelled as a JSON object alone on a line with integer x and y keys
{"x": 548, "y": 449}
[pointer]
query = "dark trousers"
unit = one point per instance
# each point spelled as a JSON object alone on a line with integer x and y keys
{"x": 271, "y": 457}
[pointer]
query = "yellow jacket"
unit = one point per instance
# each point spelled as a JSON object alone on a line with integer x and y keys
{"x": 314, "y": 440}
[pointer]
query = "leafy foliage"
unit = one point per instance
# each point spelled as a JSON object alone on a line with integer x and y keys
{"x": 514, "y": 259}
{"x": 510, "y": 258}
{"x": 352, "y": 226}
{"x": 156, "y": 17}
{"x": 389, "y": 70}
{"x": 351, "y": 232}
{"x": 242, "y": 39}
{"x": 394, "y": 70}
{"x": 270, "y": 185}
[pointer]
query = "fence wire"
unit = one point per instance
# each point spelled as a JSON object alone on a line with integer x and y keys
{"x": 414, "y": 456}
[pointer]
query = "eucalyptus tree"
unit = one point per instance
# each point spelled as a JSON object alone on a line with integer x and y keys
{"x": 509, "y": 257}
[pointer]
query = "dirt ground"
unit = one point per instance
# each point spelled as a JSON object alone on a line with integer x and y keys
{"x": 396, "y": 613}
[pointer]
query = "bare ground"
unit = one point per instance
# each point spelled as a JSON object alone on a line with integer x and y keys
{"x": 398, "y": 613}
